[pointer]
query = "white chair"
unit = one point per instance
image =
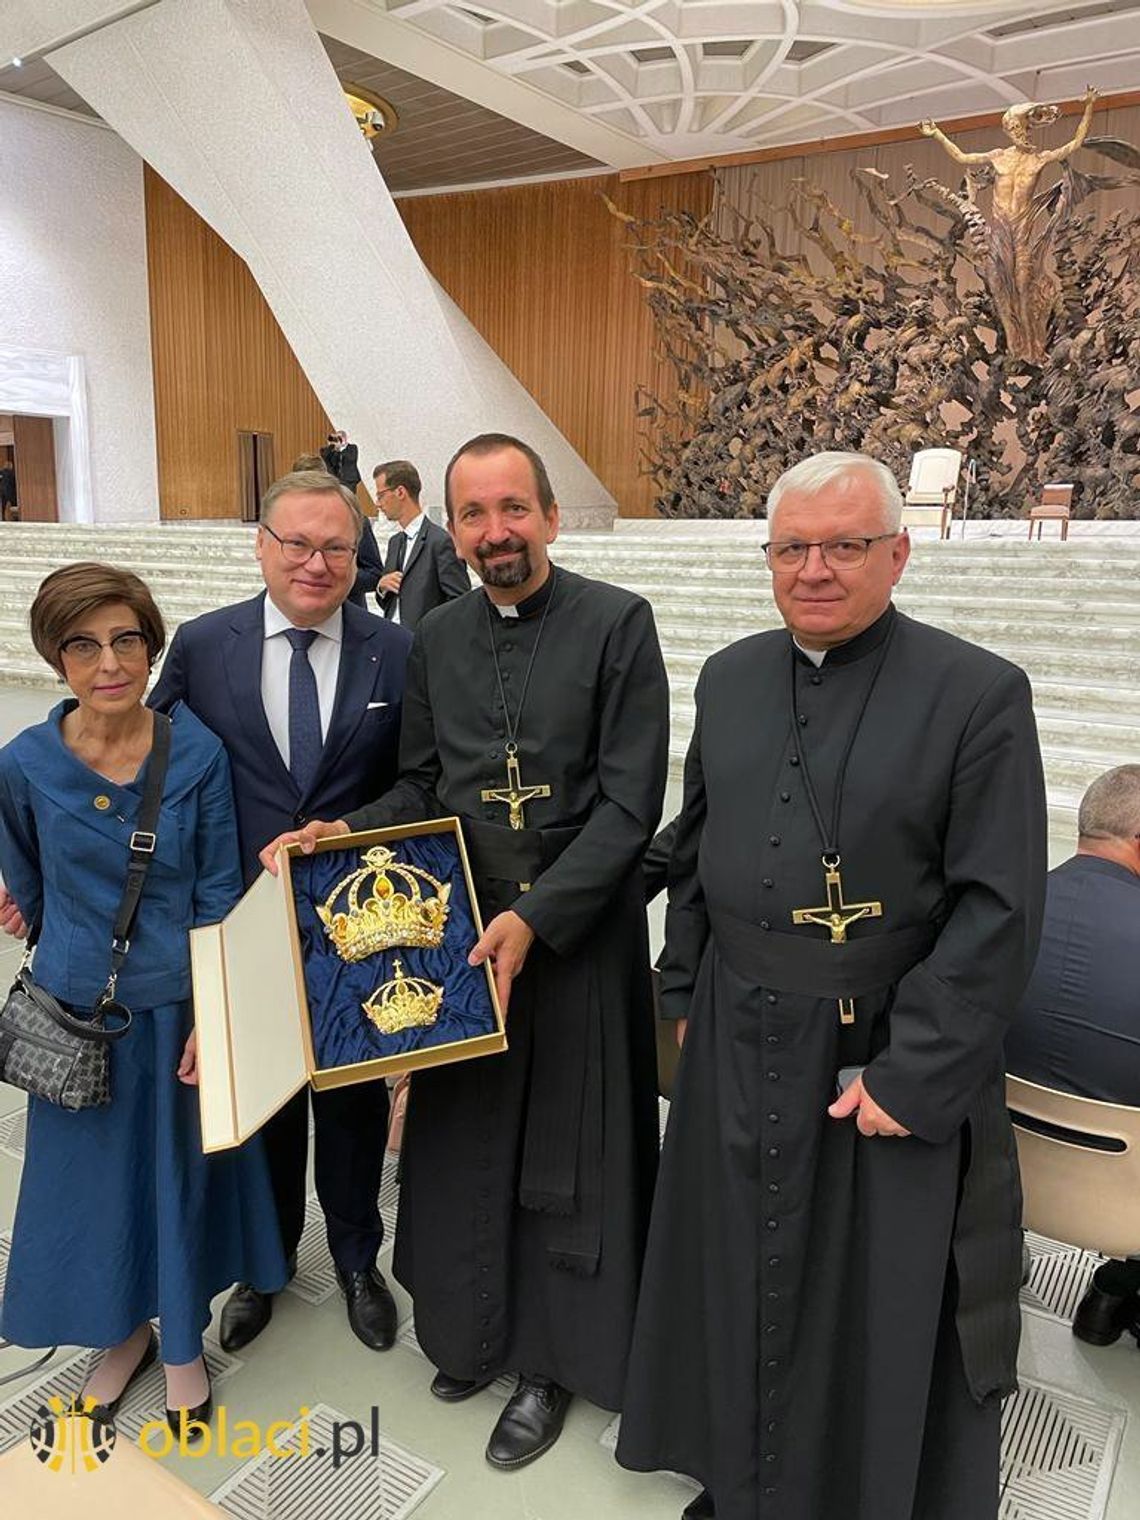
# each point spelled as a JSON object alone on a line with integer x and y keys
{"x": 929, "y": 499}
{"x": 1080, "y": 1167}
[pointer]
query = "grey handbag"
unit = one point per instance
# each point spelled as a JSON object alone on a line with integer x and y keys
{"x": 44, "y": 1049}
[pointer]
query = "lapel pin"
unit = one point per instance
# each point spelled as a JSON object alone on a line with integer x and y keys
{"x": 102, "y": 803}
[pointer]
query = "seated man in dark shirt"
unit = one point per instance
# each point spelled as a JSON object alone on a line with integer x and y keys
{"x": 1078, "y": 1028}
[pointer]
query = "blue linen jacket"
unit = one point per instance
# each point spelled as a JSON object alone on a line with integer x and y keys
{"x": 64, "y": 832}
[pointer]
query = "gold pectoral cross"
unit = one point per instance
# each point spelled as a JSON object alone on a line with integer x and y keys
{"x": 514, "y": 794}
{"x": 835, "y": 915}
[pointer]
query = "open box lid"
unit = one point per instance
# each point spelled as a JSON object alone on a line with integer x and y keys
{"x": 248, "y": 1002}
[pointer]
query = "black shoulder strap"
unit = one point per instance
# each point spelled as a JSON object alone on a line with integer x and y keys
{"x": 142, "y": 843}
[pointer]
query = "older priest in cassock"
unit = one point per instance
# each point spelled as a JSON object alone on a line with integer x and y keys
{"x": 829, "y": 1314}
{"x": 537, "y": 710}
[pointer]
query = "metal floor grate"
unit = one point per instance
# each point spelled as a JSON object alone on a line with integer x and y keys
{"x": 502, "y": 1387}
{"x": 1058, "y": 1455}
{"x": 14, "y": 1133}
{"x": 145, "y": 1401}
{"x": 5, "y": 1247}
{"x": 1058, "y": 1277}
{"x": 388, "y": 1486}
{"x": 389, "y": 1198}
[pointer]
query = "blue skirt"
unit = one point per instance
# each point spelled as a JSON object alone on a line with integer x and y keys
{"x": 121, "y": 1217}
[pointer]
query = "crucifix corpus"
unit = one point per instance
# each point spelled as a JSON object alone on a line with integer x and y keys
{"x": 514, "y": 794}
{"x": 835, "y": 915}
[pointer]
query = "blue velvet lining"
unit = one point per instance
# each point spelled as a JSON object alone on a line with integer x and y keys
{"x": 342, "y": 1032}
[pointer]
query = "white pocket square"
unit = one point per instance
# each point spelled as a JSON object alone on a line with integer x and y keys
{"x": 373, "y": 705}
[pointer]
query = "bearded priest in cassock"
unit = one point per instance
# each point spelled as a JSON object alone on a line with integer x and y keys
{"x": 829, "y": 1316}
{"x": 537, "y": 711}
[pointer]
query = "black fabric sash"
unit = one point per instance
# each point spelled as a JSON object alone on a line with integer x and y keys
{"x": 513, "y": 855}
{"x": 816, "y": 967}
{"x": 561, "y": 1172}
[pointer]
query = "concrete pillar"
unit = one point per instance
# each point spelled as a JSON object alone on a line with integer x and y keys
{"x": 236, "y": 105}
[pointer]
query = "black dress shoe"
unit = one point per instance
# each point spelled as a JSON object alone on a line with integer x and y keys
{"x": 530, "y": 1424}
{"x": 701, "y": 1508}
{"x": 106, "y": 1412}
{"x": 1110, "y": 1306}
{"x": 247, "y": 1311}
{"x": 455, "y": 1390}
{"x": 371, "y": 1307}
{"x": 193, "y": 1420}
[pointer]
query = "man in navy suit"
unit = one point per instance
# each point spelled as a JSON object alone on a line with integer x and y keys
{"x": 304, "y": 690}
{"x": 1078, "y": 1027}
{"x": 421, "y": 567}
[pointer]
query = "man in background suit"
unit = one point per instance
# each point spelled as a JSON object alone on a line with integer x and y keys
{"x": 8, "y": 499}
{"x": 1078, "y": 1027}
{"x": 304, "y": 690}
{"x": 421, "y": 567}
{"x": 369, "y": 565}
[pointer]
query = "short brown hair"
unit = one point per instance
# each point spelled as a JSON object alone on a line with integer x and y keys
{"x": 313, "y": 480}
{"x": 494, "y": 443}
{"x": 72, "y": 593}
{"x": 400, "y": 472}
{"x": 309, "y": 462}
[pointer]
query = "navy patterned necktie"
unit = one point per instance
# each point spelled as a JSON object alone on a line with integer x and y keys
{"x": 305, "y": 740}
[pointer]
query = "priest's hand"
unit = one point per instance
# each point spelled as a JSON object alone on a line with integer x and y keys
{"x": 505, "y": 942}
{"x": 188, "y": 1066}
{"x": 306, "y": 838}
{"x": 870, "y": 1118}
{"x": 11, "y": 919}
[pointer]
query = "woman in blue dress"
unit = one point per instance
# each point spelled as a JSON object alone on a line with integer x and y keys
{"x": 121, "y": 1218}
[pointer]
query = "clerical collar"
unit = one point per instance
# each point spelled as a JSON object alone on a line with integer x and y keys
{"x": 532, "y": 604}
{"x": 854, "y": 649}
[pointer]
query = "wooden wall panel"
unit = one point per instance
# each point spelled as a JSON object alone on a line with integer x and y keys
{"x": 541, "y": 271}
{"x": 35, "y": 469}
{"x": 221, "y": 364}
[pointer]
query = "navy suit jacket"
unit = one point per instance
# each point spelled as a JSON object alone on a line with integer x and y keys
{"x": 1078, "y": 1027}
{"x": 214, "y": 666}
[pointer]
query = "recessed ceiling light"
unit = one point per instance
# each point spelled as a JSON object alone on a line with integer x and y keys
{"x": 17, "y": 63}
{"x": 374, "y": 115}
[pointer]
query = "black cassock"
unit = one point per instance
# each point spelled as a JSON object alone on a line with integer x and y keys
{"x": 528, "y": 1177}
{"x": 828, "y": 1322}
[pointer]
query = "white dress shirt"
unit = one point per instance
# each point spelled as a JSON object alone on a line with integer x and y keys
{"x": 324, "y": 657}
{"x": 412, "y": 533}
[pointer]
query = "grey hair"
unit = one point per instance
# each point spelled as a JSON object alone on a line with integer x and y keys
{"x": 813, "y": 475}
{"x": 313, "y": 480}
{"x": 1110, "y": 809}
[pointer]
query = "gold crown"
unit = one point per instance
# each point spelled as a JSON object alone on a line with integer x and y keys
{"x": 406, "y": 1002}
{"x": 394, "y": 913}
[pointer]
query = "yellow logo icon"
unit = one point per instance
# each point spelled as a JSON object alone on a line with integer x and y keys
{"x": 69, "y": 1435}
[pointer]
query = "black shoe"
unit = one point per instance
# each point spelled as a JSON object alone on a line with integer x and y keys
{"x": 530, "y": 1424}
{"x": 106, "y": 1412}
{"x": 1110, "y": 1306}
{"x": 247, "y": 1311}
{"x": 701, "y": 1507}
{"x": 194, "y": 1420}
{"x": 455, "y": 1390}
{"x": 371, "y": 1307}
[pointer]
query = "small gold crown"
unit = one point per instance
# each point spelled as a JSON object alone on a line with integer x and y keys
{"x": 389, "y": 916}
{"x": 406, "y": 1002}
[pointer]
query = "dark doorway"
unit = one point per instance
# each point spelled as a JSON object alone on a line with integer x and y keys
{"x": 27, "y": 470}
{"x": 255, "y": 472}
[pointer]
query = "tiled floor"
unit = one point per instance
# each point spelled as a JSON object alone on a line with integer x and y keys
{"x": 1074, "y": 1415}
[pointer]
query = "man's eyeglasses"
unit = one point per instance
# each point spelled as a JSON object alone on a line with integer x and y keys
{"x": 298, "y": 551}
{"x": 838, "y": 553}
{"x": 129, "y": 645}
